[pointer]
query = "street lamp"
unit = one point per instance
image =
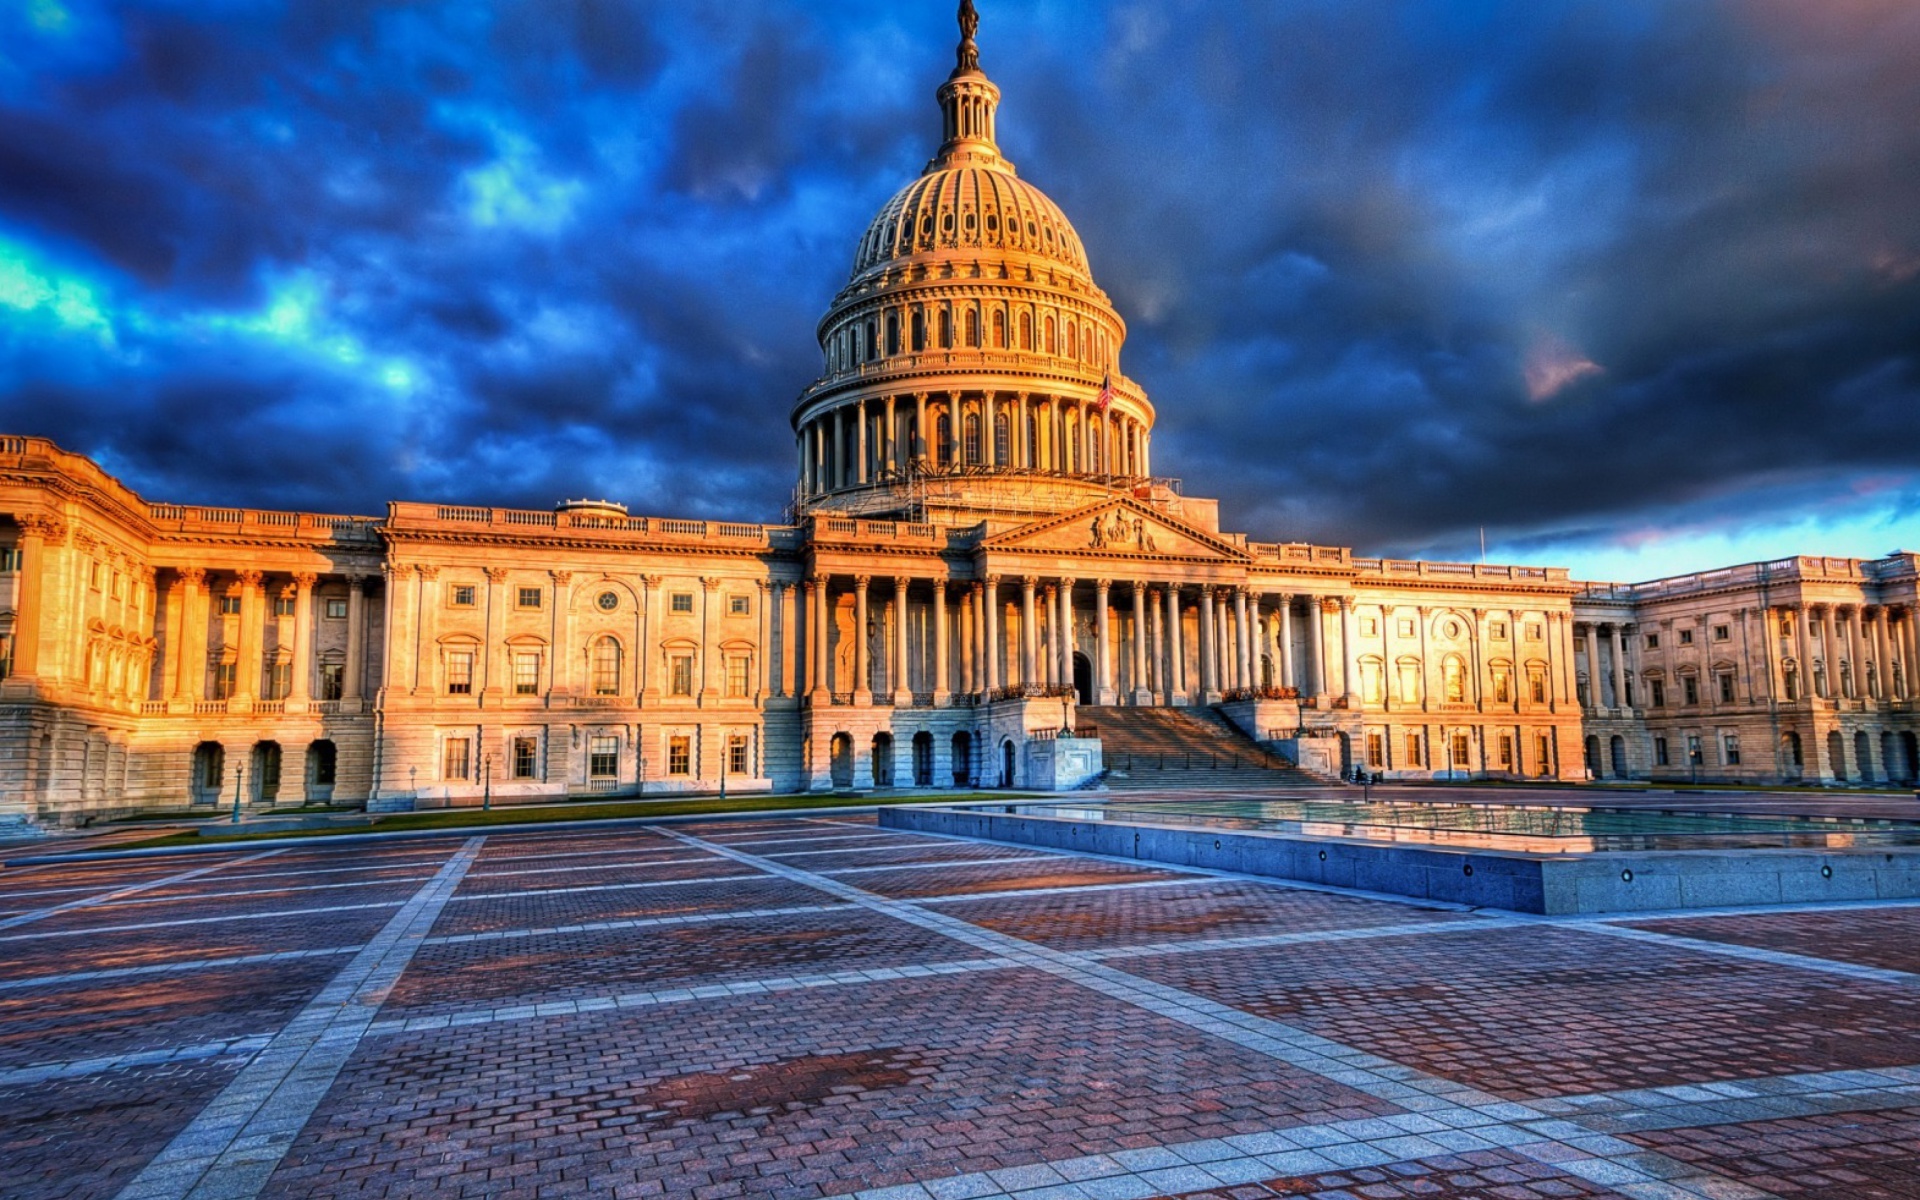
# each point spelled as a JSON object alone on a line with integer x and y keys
{"x": 239, "y": 782}
{"x": 486, "y": 786}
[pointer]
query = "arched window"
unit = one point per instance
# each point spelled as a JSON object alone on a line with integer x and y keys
{"x": 919, "y": 330}
{"x": 1049, "y": 334}
{"x": 1033, "y": 441}
{"x": 972, "y": 447}
{"x": 1455, "y": 675}
{"x": 973, "y": 328}
{"x": 946, "y": 329}
{"x": 1073, "y": 340}
{"x": 943, "y": 440}
{"x": 873, "y": 342}
{"x": 893, "y": 333}
{"x": 999, "y": 330}
{"x": 1026, "y": 331}
{"x": 605, "y": 667}
{"x": 1001, "y": 432}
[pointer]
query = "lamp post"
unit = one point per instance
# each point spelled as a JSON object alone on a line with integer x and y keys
{"x": 723, "y": 770}
{"x": 239, "y": 782}
{"x": 486, "y": 785}
{"x": 413, "y": 785}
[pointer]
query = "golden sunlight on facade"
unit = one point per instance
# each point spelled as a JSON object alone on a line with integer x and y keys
{"x": 983, "y": 583}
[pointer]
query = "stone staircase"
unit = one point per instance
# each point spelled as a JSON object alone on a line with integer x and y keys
{"x": 1154, "y": 749}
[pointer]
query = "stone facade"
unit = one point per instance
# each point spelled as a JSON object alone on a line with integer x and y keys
{"x": 978, "y": 547}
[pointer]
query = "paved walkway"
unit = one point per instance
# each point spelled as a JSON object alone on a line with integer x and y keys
{"x": 808, "y": 1007}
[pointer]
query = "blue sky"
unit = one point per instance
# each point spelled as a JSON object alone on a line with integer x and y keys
{"x": 1632, "y": 284}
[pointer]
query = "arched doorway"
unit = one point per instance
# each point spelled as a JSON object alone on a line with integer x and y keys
{"x": 1617, "y": 756}
{"x": 1593, "y": 757}
{"x": 1266, "y": 670}
{"x": 962, "y": 757}
{"x": 841, "y": 760}
{"x": 209, "y": 772}
{"x": 1347, "y": 761}
{"x": 1909, "y": 758}
{"x": 322, "y": 762}
{"x": 1006, "y": 763}
{"x": 1082, "y": 678}
{"x": 265, "y": 768}
{"x": 1863, "y": 756}
{"x": 1837, "y": 755}
{"x": 923, "y": 759}
{"x": 1793, "y": 758}
{"x": 883, "y": 760}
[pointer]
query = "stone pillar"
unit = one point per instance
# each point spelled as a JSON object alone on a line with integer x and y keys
{"x": 190, "y": 657}
{"x": 1064, "y": 638}
{"x": 1209, "y": 677}
{"x": 1904, "y": 635}
{"x": 918, "y": 450}
{"x": 1420, "y": 613}
{"x": 1317, "y": 646}
{"x": 1569, "y": 684}
{"x": 889, "y": 444}
{"x": 1022, "y": 434}
{"x": 813, "y": 594}
{"x": 902, "y": 682}
{"x": 246, "y": 685}
{"x": 1882, "y": 673}
{"x": 971, "y": 671}
{"x": 1102, "y": 674}
{"x": 942, "y": 677}
{"x": 1803, "y": 642}
{"x": 1176, "y": 669}
{"x": 1619, "y": 649}
{"x": 493, "y": 672}
{"x": 37, "y": 534}
{"x": 1856, "y": 640}
{"x": 860, "y": 471}
{"x": 1770, "y": 633}
{"x": 1287, "y": 676}
{"x": 1141, "y": 695}
{"x": 301, "y": 689}
{"x": 1029, "y": 634}
{"x": 1243, "y": 630}
{"x": 990, "y": 634}
{"x": 862, "y": 646}
{"x": 1349, "y": 653}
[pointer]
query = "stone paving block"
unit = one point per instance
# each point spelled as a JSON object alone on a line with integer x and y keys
{"x": 1888, "y": 938}
{"x": 1837, "y": 1156}
{"x": 1537, "y": 1011}
{"x": 1051, "y": 871}
{"x": 754, "y": 890}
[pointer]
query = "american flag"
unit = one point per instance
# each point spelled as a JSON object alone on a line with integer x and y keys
{"x": 1105, "y": 397}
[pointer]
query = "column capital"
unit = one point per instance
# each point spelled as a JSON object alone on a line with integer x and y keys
{"x": 763, "y": 586}
{"x": 424, "y": 571}
{"x": 304, "y": 580}
{"x": 652, "y": 581}
{"x": 49, "y": 529}
{"x": 709, "y": 582}
{"x": 561, "y": 578}
{"x": 495, "y": 574}
{"x": 196, "y": 576}
{"x": 860, "y": 582}
{"x": 249, "y": 578}
{"x": 903, "y": 582}
{"x": 1103, "y": 586}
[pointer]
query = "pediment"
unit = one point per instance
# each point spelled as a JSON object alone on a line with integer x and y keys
{"x": 1119, "y": 528}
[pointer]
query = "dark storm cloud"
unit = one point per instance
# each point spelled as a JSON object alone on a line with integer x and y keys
{"x": 1393, "y": 271}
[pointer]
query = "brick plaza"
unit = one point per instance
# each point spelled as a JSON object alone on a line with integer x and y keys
{"x": 810, "y": 1006}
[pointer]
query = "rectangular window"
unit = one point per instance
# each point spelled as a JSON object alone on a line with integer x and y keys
{"x": 1580, "y": 643}
{"x": 1686, "y": 637}
{"x": 1506, "y": 752}
{"x": 225, "y": 676}
{"x": 1726, "y": 687}
{"x": 230, "y": 604}
{"x": 679, "y": 754}
{"x": 279, "y": 680}
{"x": 737, "y": 675}
{"x": 1543, "y": 753}
{"x": 1537, "y": 687}
{"x": 460, "y": 595}
{"x": 460, "y": 673}
{"x": 333, "y": 681}
{"x": 283, "y": 605}
{"x": 456, "y": 758}
{"x": 682, "y": 602}
{"x": 1722, "y": 633}
{"x": 1376, "y": 749}
{"x": 1461, "y": 756}
{"x": 1730, "y": 745}
{"x": 1660, "y": 752}
{"x": 526, "y": 673}
{"x": 1497, "y": 629}
{"x": 1406, "y": 628}
{"x": 11, "y": 559}
{"x": 738, "y": 606}
{"x": 115, "y": 589}
{"x": 603, "y": 757}
{"x": 529, "y": 597}
{"x": 526, "y": 758}
{"x": 1693, "y": 748}
{"x": 1413, "y": 749}
{"x": 1653, "y": 641}
{"x": 95, "y": 576}
{"x": 1534, "y": 633}
{"x": 737, "y": 754}
{"x": 680, "y": 682}
{"x": 1369, "y": 627}
{"x": 1690, "y": 689}
{"x": 1657, "y": 689}
{"x": 336, "y": 610}
{"x": 1502, "y": 688}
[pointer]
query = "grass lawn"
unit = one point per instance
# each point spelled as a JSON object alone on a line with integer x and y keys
{"x": 467, "y": 818}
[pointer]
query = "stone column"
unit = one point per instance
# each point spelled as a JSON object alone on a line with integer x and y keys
{"x": 1287, "y": 676}
{"x": 1209, "y": 679}
{"x": 1770, "y": 632}
{"x": 942, "y": 677}
{"x": 1803, "y": 643}
{"x": 1349, "y": 653}
{"x": 1022, "y": 434}
{"x": 1141, "y": 695}
{"x": 1903, "y": 635}
{"x": 971, "y": 671}
{"x": 860, "y": 466}
{"x": 1569, "y": 685}
{"x": 1620, "y": 667}
{"x": 1176, "y": 653}
{"x": 493, "y": 674}
{"x": 301, "y": 689}
{"x": 1882, "y": 673}
{"x": 246, "y": 685}
{"x": 1047, "y": 637}
{"x": 862, "y": 646}
{"x": 1420, "y": 614}
{"x": 889, "y": 444}
{"x": 990, "y": 634}
{"x": 190, "y": 656}
{"x": 1029, "y": 634}
{"x": 1243, "y": 636}
{"x": 813, "y": 667}
{"x": 1102, "y": 674}
{"x": 1064, "y": 638}
{"x": 1829, "y": 651}
{"x": 767, "y": 676}
{"x": 1856, "y": 639}
{"x": 902, "y": 682}
{"x": 1317, "y": 638}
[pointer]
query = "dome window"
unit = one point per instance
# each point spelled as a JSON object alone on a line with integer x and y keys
{"x": 926, "y": 226}
{"x": 973, "y": 328}
{"x": 993, "y": 225}
{"x": 969, "y": 223}
{"x": 1032, "y": 230}
{"x": 946, "y": 224}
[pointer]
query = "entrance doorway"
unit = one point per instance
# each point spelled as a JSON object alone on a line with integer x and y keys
{"x": 1617, "y": 751}
{"x": 923, "y": 759}
{"x": 322, "y": 762}
{"x": 266, "y": 772}
{"x": 841, "y": 760}
{"x": 883, "y": 760}
{"x": 1082, "y": 678}
{"x": 962, "y": 757}
{"x": 1006, "y": 763}
{"x": 209, "y": 772}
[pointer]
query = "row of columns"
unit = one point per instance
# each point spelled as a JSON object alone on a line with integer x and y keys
{"x": 867, "y": 438}
{"x": 189, "y": 614}
{"x": 1844, "y": 640}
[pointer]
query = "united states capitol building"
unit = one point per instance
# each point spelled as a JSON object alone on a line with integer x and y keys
{"x": 982, "y": 583}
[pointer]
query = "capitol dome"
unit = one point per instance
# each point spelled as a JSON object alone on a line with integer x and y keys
{"x": 970, "y": 351}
